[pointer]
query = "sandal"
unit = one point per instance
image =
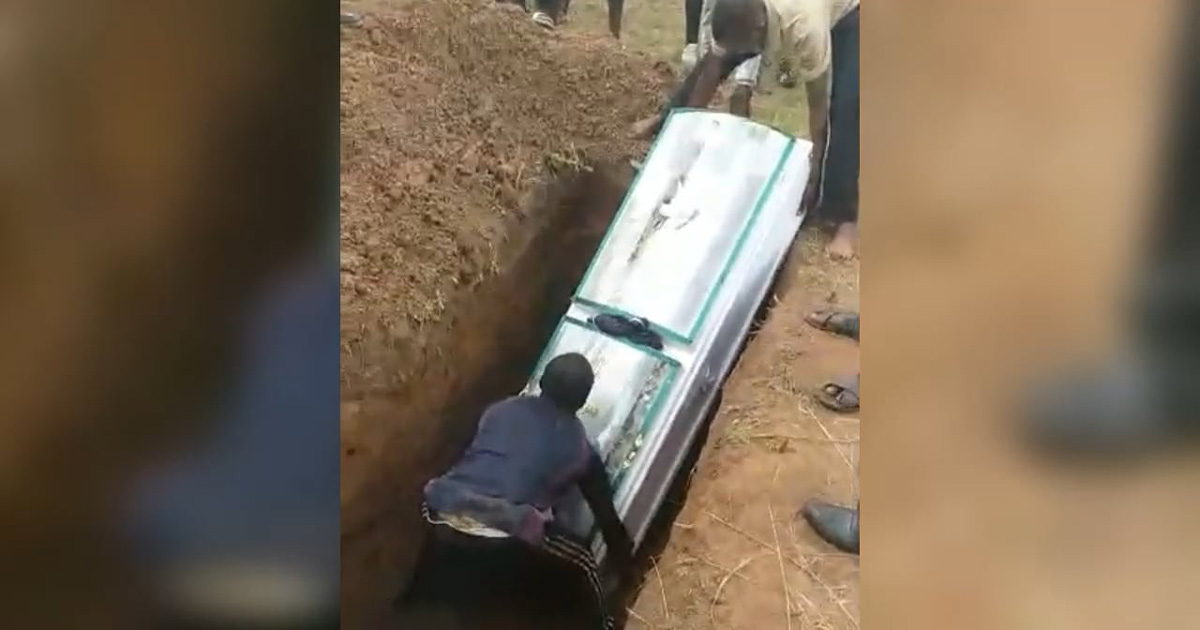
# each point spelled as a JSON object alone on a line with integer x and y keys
{"x": 837, "y": 321}
{"x": 840, "y": 395}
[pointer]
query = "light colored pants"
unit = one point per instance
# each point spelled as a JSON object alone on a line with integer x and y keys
{"x": 745, "y": 74}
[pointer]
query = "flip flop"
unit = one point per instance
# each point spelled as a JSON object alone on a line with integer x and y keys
{"x": 840, "y": 395}
{"x": 837, "y": 321}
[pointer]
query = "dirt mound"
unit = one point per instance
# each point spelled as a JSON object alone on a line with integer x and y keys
{"x": 473, "y": 193}
{"x": 448, "y": 110}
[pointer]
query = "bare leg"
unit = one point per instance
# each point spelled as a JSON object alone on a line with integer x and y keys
{"x": 839, "y": 184}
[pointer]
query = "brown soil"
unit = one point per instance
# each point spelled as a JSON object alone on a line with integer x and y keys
{"x": 736, "y": 546}
{"x": 477, "y": 178}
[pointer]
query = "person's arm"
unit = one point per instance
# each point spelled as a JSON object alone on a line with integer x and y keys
{"x": 705, "y": 38}
{"x": 598, "y": 492}
{"x": 818, "y": 92}
{"x": 696, "y": 91}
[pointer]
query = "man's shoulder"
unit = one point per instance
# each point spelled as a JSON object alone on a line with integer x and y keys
{"x": 520, "y": 405}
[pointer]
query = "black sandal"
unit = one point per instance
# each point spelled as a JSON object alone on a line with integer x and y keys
{"x": 840, "y": 395}
{"x": 837, "y": 321}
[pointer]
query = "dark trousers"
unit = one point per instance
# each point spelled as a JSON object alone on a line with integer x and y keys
{"x": 1168, "y": 302}
{"x": 554, "y": 8}
{"x": 838, "y": 202}
{"x": 691, "y": 20}
{"x": 484, "y": 583}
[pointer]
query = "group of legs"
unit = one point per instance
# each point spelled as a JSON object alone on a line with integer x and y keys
{"x": 1145, "y": 402}
{"x": 549, "y": 14}
{"x": 836, "y": 524}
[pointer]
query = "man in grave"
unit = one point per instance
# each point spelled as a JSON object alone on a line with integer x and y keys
{"x": 494, "y": 541}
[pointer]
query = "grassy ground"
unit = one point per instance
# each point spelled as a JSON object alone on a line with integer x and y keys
{"x": 656, "y": 28}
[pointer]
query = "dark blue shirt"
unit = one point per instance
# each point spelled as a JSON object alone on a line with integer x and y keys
{"x": 527, "y": 455}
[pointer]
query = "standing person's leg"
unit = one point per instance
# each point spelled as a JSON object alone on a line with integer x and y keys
{"x": 1169, "y": 301}
{"x": 1146, "y": 401}
{"x": 692, "y": 9}
{"x": 839, "y": 188}
{"x": 705, "y": 35}
{"x": 692, "y": 12}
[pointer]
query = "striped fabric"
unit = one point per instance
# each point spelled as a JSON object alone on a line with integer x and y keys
{"x": 561, "y": 547}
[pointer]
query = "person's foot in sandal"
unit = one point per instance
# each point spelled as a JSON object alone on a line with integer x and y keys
{"x": 835, "y": 524}
{"x": 840, "y": 395}
{"x": 1122, "y": 410}
{"x": 836, "y": 321}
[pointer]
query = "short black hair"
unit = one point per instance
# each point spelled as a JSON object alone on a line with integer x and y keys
{"x": 567, "y": 381}
{"x": 740, "y": 25}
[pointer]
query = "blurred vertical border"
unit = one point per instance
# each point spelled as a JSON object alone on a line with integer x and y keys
{"x": 168, "y": 229}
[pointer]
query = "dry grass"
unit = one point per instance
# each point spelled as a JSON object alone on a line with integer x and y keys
{"x": 772, "y": 446}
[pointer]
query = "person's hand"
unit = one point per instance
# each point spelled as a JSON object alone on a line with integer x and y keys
{"x": 812, "y": 190}
{"x": 809, "y": 200}
{"x": 644, "y": 128}
{"x": 812, "y": 194}
{"x": 619, "y": 575}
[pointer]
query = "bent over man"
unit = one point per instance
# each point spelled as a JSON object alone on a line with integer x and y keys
{"x": 817, "y": 42}
{"x": 495, "y": 545}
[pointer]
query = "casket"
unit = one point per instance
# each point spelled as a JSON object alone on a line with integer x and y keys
{"x": 671, "y": 293}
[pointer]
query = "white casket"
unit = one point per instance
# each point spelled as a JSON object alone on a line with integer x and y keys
{"x": 693, "y": 251}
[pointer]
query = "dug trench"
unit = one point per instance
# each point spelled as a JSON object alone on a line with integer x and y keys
{"x": 483, "y": 349}
{"x": 662, "y": 525}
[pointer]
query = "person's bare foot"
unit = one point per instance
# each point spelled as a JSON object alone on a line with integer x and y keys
{"x": 844, "y": 245}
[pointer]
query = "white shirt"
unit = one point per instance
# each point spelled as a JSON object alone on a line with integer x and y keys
{"x": 800, "y": 33}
